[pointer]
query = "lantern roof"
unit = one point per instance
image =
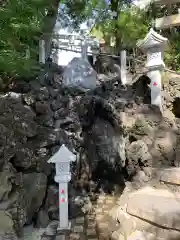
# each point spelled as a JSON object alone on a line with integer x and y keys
{"x": 152, "y": 39}
{"x": 62, "y": 155}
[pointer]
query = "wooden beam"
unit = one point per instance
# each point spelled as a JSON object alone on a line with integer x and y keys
{"x": 166, "y": 22}
{"x": 166, "y": 2}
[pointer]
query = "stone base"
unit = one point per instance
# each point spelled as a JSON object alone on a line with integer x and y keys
{"x": 64, "y": 229}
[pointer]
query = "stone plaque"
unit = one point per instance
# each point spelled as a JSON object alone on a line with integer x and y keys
{"x": 79, "y": 73}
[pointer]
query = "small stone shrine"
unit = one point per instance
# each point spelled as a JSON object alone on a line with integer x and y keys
{"x": 154, "y": 45}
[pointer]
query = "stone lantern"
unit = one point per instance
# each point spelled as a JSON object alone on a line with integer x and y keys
{"x": 154, "y": 45}
{"x": 62, "y": 159}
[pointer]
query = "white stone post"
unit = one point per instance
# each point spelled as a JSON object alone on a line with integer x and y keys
{"x": 94, "y": 58}
{"x": 84, "y": 49}
{"x": 154, "y": 45}
{"x": 62, "y": 159}
{"x": 42, "y": 55}
{"x": 156, "y": 86}
{"x": 94, "y": 49}
{"x": 28, "y": 53}
{"x": 123, "y": 67}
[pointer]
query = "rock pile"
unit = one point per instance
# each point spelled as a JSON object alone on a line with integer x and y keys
{"x": 114, "y": 131}
{"x": 37, "y": 117}
{"x": 152, "y": 211}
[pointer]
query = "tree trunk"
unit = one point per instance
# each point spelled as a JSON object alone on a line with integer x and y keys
{"x": 49, "y": 24}
{"x": 115, "y": 7}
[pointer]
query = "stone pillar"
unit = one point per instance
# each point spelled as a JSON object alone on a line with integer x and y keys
{"x": 94, "y": 59}
{"x": 123, "y": 68}
{"x": 156, "y": 86}
{"x": 84, "y": 49}
{"x": 42, "y": 55}
{"x": 62, "y": 159}
{"x": 153, "y": 45}
{"x": 63, "y": 203}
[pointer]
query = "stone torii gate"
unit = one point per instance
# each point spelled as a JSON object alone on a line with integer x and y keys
{"x": 154, "y": 45}
{"x": 167, "y": 21}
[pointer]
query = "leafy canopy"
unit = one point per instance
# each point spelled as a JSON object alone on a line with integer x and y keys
{"x": 127, "y": 25}
{"x": 116, "y": 19}
{"x": 21, "y": 23}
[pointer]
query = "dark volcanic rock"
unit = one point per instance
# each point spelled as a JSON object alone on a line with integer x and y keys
{"x": 114, "y": 131}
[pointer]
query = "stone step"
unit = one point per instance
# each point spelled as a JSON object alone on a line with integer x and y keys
{"x": 97, "y": 224}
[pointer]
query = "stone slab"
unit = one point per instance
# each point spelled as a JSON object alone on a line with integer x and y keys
{"x": 138, "y": 235}
{"x": 159, "y": 206}
{"x": 78, "y": 229}
{"x": 167, "y": 21}
{"x": 79, "y": 73}
{"x": 170, "y": 175}
{"x": 60, "y": 237}
{"x": 166, "y": 1}
{"x": 79, "y": 220}
{"x": 159, "y": 233}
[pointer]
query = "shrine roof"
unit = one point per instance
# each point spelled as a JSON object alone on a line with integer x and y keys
{"x": 152, "y": 39}
{"x": 62, "y": 155}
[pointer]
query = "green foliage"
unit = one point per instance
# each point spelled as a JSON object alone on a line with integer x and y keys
{"x": 21, "y": 23}
{"x": 172, "y": 55}
{"x": 127, "y": 27}
{"x": 82, "y": 10}
{"x": 124, "y": 28}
